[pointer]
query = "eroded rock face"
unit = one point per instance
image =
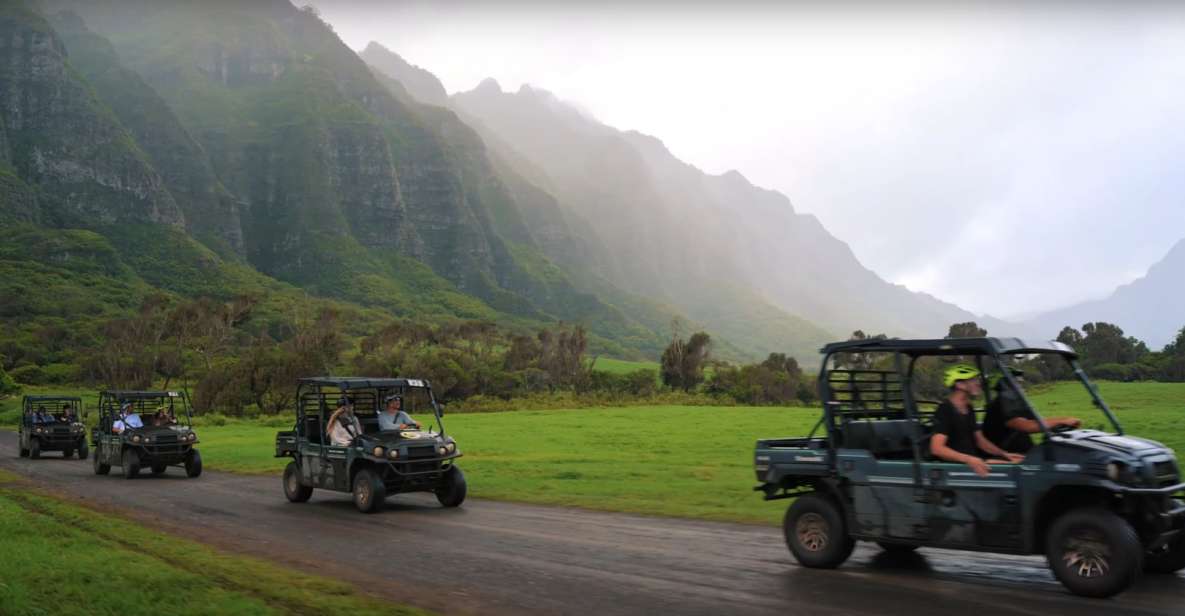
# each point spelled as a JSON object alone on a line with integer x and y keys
{"x": 64, "y": 142}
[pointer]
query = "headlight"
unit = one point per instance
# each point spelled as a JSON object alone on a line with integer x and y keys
{"x": 39, "y": 430}
{"x": 1113, "y": 471}
{"x": 442, "y": 450}
{"x": 394, "y": 453}
{"x": 378, "y": 452}
{"x": 451, "y": 447}
{"x": 136, "y": 438}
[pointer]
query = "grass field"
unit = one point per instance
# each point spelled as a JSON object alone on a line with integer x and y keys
{"x": 663, "y": 460}
{"x": 62, "y": 559}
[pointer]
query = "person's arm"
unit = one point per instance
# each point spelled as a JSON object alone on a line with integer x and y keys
{"x": 987, "y": 446}
{"x": 940, "y": 450}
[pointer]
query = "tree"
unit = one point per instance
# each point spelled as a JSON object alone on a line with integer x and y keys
{"x": 1105, "y": 343}
{"x": 683, "y": 361}
{"x": 969, "y": 329}
{"x": 8, "y": 387}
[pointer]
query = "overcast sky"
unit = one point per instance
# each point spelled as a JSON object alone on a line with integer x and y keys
{"x": 1008, "y": 159}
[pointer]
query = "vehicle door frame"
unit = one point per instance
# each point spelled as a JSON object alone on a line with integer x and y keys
{"x": 954, "y": 497}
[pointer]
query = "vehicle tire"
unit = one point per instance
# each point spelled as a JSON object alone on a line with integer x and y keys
{"x": 369, "y": 491}
{"x": 24, "y": 453}
{"x": 158, "y": 469}
{"x": 897, "y": 548}
{"x": 131, "y": 463}
{"x": 100, "y": 468}
{"x": 453, "y": 488}
{"x": 193, "y": 464}
{"x": 82, "y": 450}
{"x": 67, "y": 453}
{"x": 294, "y": 490}
{"x": 34, "y": 449}
{"x": 816, "y": 532}
{"x": 1171, "y": 559}
{"x": 1094, "y": 553}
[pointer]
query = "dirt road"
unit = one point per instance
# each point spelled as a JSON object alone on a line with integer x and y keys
{"x": 502, "y": 558}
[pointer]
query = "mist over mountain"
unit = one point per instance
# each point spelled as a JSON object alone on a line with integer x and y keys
{"x": 1151, "y": 308}
{"x": 696, "y": 236}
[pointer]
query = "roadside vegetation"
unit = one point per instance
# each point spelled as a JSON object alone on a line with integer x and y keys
{"x": 58, "y": 557}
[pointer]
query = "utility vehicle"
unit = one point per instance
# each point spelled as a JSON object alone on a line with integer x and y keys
{"x": 52, "y": 423}
{"x": 165, "y": 438}
{"x": 1100, "y": 505}
{"x": 375, "y": 463}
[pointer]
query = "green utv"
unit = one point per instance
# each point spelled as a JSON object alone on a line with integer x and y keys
{"x": 145, "y": 429}
{"x": 1100, "y": 506}
{"x": 52, "y": 423}
{"x": 368, "y": 457}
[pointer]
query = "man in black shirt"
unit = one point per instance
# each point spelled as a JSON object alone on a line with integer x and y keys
{"x": 1008, "y": 421}
{"x": 956, "y": 437}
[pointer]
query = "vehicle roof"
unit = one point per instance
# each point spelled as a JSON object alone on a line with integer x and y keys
{"x": 141, "y": 395}
{"x": 345, "y": 383}
{"x": 952, "y": 346}
{"x": 47, "y": 398}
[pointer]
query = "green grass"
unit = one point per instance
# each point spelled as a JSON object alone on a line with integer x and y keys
{"x": 667, "y": 460}
{"x": 62, "y": 559}
{"x": 663, "y": 460}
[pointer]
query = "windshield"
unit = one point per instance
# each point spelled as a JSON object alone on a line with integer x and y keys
{"x": 53, "y": 411}
{"x": 168, "y": 411}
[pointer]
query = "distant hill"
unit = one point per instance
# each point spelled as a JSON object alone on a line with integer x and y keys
{"x": 695, "y": 237}
{"x": 1151, "y": 308}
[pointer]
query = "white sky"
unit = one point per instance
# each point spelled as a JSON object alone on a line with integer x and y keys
{"x": 1007, "y": 159}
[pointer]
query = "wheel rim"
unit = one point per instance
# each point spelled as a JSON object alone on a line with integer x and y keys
{"x": 812, "y": 532}
{"x": 363, "y": 493}
{"x": 1087, "y": 554}
{"x": 292, "y": 483}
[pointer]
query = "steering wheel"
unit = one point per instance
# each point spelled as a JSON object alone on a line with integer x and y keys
{"x": 1062, "y": 429}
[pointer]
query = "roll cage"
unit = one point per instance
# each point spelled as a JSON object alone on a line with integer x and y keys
{"x": 316, "y": 400}
{"x": 145, "y": 403}
{"x": 866, "y": 393}
{"x": 53, "y": 406}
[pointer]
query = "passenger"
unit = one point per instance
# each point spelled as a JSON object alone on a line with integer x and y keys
{"x": 162, "y": 417}
{"x": 343, "y": 425}
{"x": 393, "y": 416}
{"x": 42, "y": 416}
{"x": 1008, "y": 421}
{"x": 957, "y": 438}
{"x": 128, "y": 419}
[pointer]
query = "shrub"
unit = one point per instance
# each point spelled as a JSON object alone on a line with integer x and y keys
{"x": 30, "y": 375}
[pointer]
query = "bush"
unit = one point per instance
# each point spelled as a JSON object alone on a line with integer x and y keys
{"x": 30, "y": 375}
{"x": 8, "y": 387}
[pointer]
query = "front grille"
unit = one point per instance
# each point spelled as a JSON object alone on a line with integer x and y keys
{"x": 422, "y": 451}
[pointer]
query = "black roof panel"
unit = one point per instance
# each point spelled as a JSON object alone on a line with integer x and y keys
{"x": 346, "y": 383}
{"x": 952, "y": 346}
{"x": 48, "y": 398}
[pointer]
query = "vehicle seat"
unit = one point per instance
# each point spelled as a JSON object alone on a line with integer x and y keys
{"x": 885, "y": 438}
{"x": 312, "y": 428}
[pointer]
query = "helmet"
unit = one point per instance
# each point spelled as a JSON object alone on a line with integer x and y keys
{"x": 960, "y": 372}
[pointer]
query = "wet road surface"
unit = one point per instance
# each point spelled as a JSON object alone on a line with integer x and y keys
{"x": 503, "y": 558}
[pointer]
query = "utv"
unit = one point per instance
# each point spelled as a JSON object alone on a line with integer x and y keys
{"x": 52, "y": 423}
{"x": 375, "y": 463}
{"x": 165, "y": 438}
{"x": 1101, "y": 506}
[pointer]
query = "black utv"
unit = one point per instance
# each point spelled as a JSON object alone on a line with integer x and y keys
{"x": 367, "y": 455}
{"x": 52, "y": 423}
{"x": 145, "y": 430}
{"x": 1101, "y": 506}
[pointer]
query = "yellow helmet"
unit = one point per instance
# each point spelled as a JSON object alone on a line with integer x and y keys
{"x": 960, "y": 372}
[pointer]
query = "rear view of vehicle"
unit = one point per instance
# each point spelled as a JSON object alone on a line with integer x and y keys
{"x": 52, "y": 423}
{"x": 150, "y": 430}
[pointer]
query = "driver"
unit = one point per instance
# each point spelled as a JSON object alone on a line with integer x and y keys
{"x": 394, "y": 417}
{"x": 66, "y": 414}
{"x": 128, "y": 419}
{"x": 1008, "y": 421}
{"x": 957, "y": 438}
{"x": 344, "y": 427}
